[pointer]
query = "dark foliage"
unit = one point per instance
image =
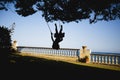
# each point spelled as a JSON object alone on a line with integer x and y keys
{"x": 5, "y": 43}
{"x": 3, "y": 4}
{"x": 69, "y": 10}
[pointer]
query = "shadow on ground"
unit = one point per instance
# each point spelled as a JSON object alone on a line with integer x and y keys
{"x": 43, "y": 69}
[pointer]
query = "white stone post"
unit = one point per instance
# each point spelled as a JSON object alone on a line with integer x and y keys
{"x": 14, "y": 45}
{"x": 85, "y": 52}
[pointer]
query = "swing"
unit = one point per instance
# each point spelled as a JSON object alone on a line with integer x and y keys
{"x": 58, "y": 36}
{"x": 62, "y": 34}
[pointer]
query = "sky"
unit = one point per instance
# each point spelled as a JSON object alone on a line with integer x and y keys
{"x": 33, "y": 31}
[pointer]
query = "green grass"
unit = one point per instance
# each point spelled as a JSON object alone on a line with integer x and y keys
{"x": 43, "y": 68}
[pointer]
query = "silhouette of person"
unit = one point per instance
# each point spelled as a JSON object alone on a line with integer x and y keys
{"x": 58, "y": 37}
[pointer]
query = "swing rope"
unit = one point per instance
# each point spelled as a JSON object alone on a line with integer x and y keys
{"x": 48, "y": 27}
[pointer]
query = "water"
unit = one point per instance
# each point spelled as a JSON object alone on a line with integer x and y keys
{"x": 105, "y": 53}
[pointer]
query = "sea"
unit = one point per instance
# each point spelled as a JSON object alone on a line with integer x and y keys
{"x": 105, "y": 53}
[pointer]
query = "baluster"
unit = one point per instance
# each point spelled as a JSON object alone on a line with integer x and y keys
{"x": 55, "y": 52}
{"x": 69, "y": 53}
{"x": 42, "y": 51}
{"x": 65, "y": 52}
{"x": 99, "y": 59}
{"x": 61, "y": 52}
{"x": 116, "y": 60}
{"x": 102, "y": 59}
{"x": 34, "y": 50}
{"x": 96, "y": 59}
{"x": 106, "y": 59}
{"x": 112, "y": 59}
{"x": 50, "y": 51}
{"x": 93, "y": 58}
{"x": 47, "y": 51}
{"x": 72, "y": 53}
{"x": 109, "y": 59}
{"x": 58, "y": 52}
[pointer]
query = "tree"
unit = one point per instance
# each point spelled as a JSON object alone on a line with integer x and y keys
{"x": 5, "y": 43}
{"x": 3, "y": 4}
{"x": 70, "y": 10}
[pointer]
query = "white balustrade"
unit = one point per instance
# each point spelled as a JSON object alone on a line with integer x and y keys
{"x": 95, "y": 58}
{"x": 113, "y": 59}
{"x": 49, "y": 51}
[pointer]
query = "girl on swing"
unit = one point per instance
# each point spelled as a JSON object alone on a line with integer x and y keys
{"x": 58, "y": 37}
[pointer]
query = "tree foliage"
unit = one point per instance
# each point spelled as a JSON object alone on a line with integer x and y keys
{"x": 3, "y": 4}
{"x": 5, "y": 38}
{"x": 5, "y": 43}
{"x": 71, "y": 10}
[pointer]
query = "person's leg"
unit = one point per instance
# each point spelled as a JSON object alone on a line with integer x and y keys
{"x": 56, "y": 29}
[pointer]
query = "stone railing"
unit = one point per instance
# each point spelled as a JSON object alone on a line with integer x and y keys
{"x": 105, "y": 58}
{"x": 113, "y": 59}
{"x": 49, "y": 51}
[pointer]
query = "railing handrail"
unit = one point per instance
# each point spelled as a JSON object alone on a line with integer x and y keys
{"x": 107, "y": 54}
{"x": 46, "y": 48}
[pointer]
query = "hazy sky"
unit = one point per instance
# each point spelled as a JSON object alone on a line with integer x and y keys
{"x": 33, "y": 31}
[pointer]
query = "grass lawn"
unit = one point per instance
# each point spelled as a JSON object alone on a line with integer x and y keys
{"x": 27, "y": 67}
